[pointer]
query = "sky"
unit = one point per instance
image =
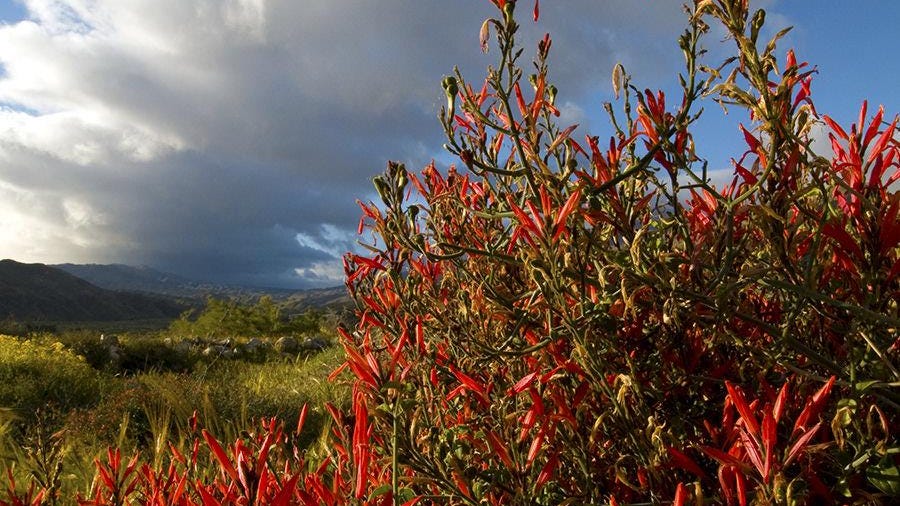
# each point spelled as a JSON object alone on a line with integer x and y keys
{"x": 228, "y": 140}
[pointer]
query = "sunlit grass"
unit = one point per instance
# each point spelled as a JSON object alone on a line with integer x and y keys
{"x": 60, "y": 391}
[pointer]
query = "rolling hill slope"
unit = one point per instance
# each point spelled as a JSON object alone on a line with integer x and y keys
{"x": 37, "y": 292}
{"x": 148, "y": 280}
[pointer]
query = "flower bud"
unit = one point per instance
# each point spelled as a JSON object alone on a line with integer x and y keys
{"x": 544, "y": 46}
{"x": 759, "y": 18}
{"x": 484, "y": 34}
{"x": 508, "y": 10}
{"x": 466, "y": 157}
{"x": 451, "y": 88}
{"x": 381, "y": 187}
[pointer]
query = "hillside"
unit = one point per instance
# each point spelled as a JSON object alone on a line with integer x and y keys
{"x": 37, "y": 292}
{"x": 148, "y": 280}
{"x": 334, "y": 297}
{"x": 132, "y": 279}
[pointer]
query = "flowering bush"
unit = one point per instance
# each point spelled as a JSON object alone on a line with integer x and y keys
{"x": 586, "y": 321}
{"x": 566, "y": 321}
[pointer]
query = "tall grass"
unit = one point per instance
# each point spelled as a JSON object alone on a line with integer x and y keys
{"x": 62, "y": 403}
{"x": 37, "y": 376}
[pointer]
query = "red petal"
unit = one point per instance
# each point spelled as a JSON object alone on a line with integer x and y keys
{"x": 778, "y": 409}
{"x": 681, "y": 495}
{"x": 843, "y": 239}
{"x": 519, "y": 99}
{"x": 561, "y": 137}
{"x": 567, "y": 208}
{"x": 752, "y": 141}
{"x": 882, "y": 142}
{"x": 801, "y": 444}
{"x": 547, "y": 472}
{"x": 220, "y": 455}
{"x": 284, "y": 496}
{"x": 723, "y": 458}
{"x": 536, "y": 445}
{"x": 862, "y": 115}
{"x": 302, "y": 419}
{"x": 500, "y": 449}
{"x": 753, "y": 451}
{"x": 684, "y": 462}
{"x": 523, "y": 383}
{"x": 835, "y": 127}
{"x": 872, "y": 131}
{"x": 745, "y": 174}
{"x": 741, "y": 483}
{"x": 769, "y": 437}
{"x": 743, "y": 408}
{"x": 813, "y": 406}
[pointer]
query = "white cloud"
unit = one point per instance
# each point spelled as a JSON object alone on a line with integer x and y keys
{"x": 326, "y": 273}
{"x": 330, "y": 240}
{"x": 820, "y": 143}
{"x": 33, "y": 226}
{"x": 228, "y": 139}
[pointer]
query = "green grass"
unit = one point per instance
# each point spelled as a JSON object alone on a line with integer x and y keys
{"x": 37, "y": 376}
{"x": 64, "y": 386}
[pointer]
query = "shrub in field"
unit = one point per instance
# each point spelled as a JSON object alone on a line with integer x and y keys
{"x": 85, "y": 343}
{"x": 592, "y": 321}
{"x": 232, "y": 318}
{"x": 37, "y": 375}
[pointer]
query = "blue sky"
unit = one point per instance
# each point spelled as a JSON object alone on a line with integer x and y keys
{"x": 11, "y": 11}
{"x": 854, "y": 45}
{"x": 227, "y": 140}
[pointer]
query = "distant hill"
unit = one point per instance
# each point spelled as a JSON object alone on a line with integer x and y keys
{"x": 135, "y": 279}
{"x": 37, "y": 292}
{"x": 148, "y": 280}
{"x": 334, "y": 297}
{"x": 140, "y": 279}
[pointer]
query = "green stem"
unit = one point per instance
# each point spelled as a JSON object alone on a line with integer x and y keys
{"x": 394, "y": 460}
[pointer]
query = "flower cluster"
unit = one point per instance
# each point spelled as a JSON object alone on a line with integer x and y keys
{"x": 565, "y": 320}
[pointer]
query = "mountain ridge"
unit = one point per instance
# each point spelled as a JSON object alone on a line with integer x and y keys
{"x": 144, "y": 279}
{"x": 38, "y": 292}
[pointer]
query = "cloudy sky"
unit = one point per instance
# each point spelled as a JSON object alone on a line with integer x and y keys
{"x": 227, "y": 140}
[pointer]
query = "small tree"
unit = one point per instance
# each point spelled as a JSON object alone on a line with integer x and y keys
{"x": 231, "y": 317}
{"x": 563, "y": 321}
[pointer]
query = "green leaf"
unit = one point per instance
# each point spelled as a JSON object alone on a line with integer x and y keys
{"x": 384, "y": 489}
{"x": 396, "y": 385}
{"x": 885, "y": 476}
{"x": 863, "y": 385}
{"x": 406, "y": 494}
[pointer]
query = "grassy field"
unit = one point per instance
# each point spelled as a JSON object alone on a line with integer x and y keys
{"x": 67, "y": 396}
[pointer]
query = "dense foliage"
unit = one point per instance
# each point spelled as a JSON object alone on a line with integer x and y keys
{"x": 35, "y": 376}
{"x": 565, "y": 321}
{"x": 232, "y": 318}
{"x": 559, "y": 321}
{"x": 63, "y": 401}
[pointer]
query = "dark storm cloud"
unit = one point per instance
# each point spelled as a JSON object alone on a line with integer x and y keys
{"x": 227, "y": 140}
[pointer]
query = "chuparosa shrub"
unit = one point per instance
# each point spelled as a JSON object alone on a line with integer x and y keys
{"x": 592, "y": 321}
